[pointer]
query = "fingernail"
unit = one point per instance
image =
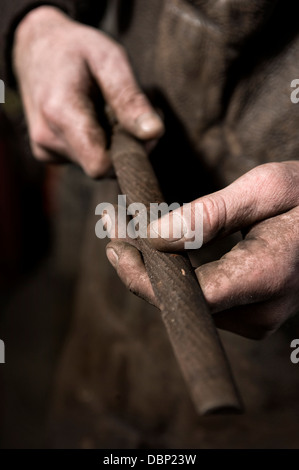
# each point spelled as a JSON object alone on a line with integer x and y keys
{"x": 112, "y": 257}
{"x": 172, "y": 227}
{"x": 150, "y": 124}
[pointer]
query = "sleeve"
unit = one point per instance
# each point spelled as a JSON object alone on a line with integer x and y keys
{"x": 86, "y": 11}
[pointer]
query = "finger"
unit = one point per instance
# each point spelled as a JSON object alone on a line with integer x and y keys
{"x": 119, "y": 87}
{"x": 115, "y": 222}
{"x": 42, "y": 154}
{"x": 262, "y": 193}
{"x": 46, "y": 155}
{"x": 256, "y": 269}
{"x": 124, "y": 256}
{"x": 44, "y": 144}
{"x": 129, "y": 266}
{"x": 79, "y": 133}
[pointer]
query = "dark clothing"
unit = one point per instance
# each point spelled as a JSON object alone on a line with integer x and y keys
{"x": 221, "y": 73}
{"x": 87, "y": 11}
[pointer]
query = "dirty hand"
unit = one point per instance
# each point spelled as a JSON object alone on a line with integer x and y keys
{"x": 57, "y": 62}
{"x": 254, "y": 288}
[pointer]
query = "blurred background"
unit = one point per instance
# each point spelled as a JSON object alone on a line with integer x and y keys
{"x": 36, "y": 289}
{"x": 81, "y": 352}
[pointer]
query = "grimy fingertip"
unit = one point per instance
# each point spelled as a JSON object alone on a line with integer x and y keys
{"x": 149, "y": 126}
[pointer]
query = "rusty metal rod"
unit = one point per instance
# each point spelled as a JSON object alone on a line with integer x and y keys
{"x": 184, "y": 310}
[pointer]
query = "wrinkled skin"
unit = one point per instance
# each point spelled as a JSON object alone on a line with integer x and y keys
{"x": 56, "y": 62}
{"x": 235, "y": 117}
{"x": 253, "y": 289}
{"x": 234, "y": 103}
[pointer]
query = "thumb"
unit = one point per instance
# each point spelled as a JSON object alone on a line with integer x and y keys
{"x": 263, "y": 192}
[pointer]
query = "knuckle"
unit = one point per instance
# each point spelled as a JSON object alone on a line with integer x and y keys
{"x": 134, "y": 97}
{"x": 93, "y": 169}
{"x": 117, "y": 54}
{"x": 39, "y": 154}
{"x": 129, "y": 96}
{"x": 38, "y": 135}
{"x": 275, "y": 268}
{"x": 276, "y": 176}
{"x": 214, "y": 214}
{"x": 52, "y": 111}
{"x": 120, "y": 52}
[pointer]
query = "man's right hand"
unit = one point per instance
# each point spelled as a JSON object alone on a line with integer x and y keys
{"x": 57, "y": 61}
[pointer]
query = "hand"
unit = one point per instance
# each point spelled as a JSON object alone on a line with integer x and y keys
{"x": 254, "y": 288}
{"x": 57, "y": 62}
